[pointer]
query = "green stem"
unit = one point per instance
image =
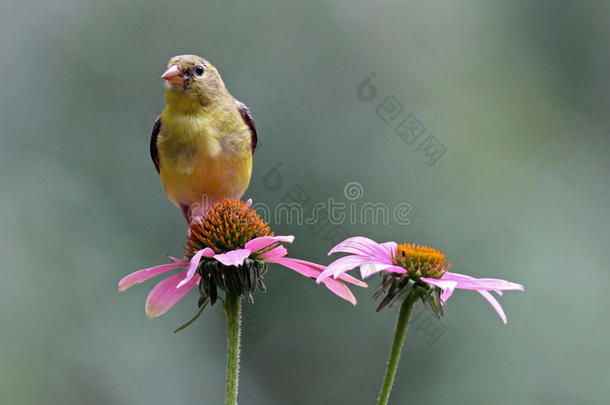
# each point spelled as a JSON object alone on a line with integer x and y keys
{"x": 399, "y": 338}
{"x": 233, "y": 310}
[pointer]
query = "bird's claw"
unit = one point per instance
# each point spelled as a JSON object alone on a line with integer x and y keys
{"x": 196, "y": 220}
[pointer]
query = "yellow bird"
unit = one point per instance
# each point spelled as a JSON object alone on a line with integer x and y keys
{"x": 203, "y": 140}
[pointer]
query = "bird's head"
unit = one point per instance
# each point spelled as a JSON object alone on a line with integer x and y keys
{"x": 190, "y": 79}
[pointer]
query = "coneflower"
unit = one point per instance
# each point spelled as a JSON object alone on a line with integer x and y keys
{"x": 227, "y": 250}
{"x": 409, "y": 273}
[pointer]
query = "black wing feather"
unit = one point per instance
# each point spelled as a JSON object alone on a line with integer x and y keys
{"x": 154, "y": 152}
{"x": 245, "y": 114}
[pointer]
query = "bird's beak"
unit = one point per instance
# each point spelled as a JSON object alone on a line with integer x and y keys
{"x": 174, "y": 75}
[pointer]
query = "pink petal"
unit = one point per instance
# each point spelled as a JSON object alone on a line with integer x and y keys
{"x": 346, "y": 261}
{"x": 340, "y": 289}
{"x": 278, "y": 251}
{"x": 447, "y": 287}
{"x": 182, "y": 262}
{"x": 495, "y": 304}
{"x": 352, "y": 245}
{"x": 368, "y": 269}
{"x": 471, "y": 283}
{"x": 207, "y": 252}
{"x": 349, "y": 279}
{"x": 313, "y": 270}
{"x": 390, "y": 247}
{"x": 144, "y": 274}
{"x": 300, "y": 266}
{"x": 480, "y": 285}
{"x": 257, "y": 244}
{"x": 166, "y": 294}
{"x": 340, "y": 266}
{"x": 365, "y": 247}
{"x": 358, "y": 245}
{"x": 395, "y": 269}
{"x": 234, "y": 257}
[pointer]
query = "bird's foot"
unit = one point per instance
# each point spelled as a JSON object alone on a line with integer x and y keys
{"x": 195, "y": 220}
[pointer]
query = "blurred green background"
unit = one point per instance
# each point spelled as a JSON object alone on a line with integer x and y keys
{"x": 516, "y": 92}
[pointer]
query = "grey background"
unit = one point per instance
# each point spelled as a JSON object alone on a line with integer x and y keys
{"x": 517, "y": 92}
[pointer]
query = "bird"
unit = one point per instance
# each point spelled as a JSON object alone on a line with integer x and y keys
{"x": 203, "y": 140}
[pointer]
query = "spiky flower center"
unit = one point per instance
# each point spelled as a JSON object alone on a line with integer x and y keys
{"x": 418, "y": 261}
{"x": 421, "y": 261}
{"x": 228, "y": 225}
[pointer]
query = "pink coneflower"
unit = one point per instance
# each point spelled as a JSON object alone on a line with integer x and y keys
{"x": 411, "y": 273}
{"x": 229, "y": 249}
{"x": 422, "y": 266}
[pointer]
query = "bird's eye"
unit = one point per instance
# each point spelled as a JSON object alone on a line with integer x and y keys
{"x": 199, "y": 70}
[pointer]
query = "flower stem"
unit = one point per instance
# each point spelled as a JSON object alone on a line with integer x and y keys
{"x": 233, "y": 310}
{"x": 399, "y": 338}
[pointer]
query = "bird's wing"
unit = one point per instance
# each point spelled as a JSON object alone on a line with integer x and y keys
{"x": 245, "y": 114}
{"x": 154, "y": 152}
